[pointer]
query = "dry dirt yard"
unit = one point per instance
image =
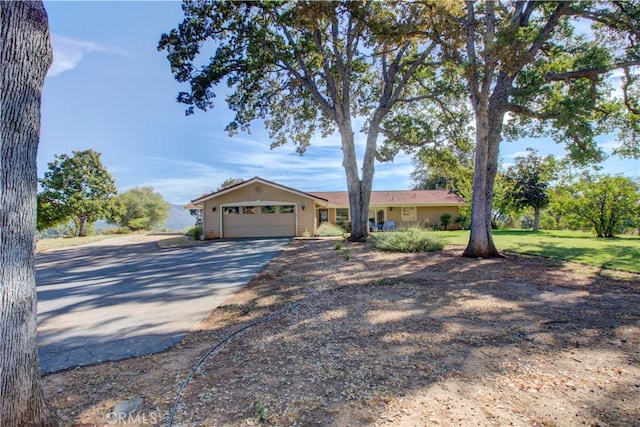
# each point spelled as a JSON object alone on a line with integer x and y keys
{"x": 356, "y": 337}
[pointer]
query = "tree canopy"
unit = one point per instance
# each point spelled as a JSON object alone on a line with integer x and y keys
{"x": 412, "y": 71}
{"x": 528, "y": 182}
{"x": 531, "y": 70}
{"x": 77, "y": 188}
{"x": 603, "y": 203}
{"x": 312, "y": 67}
{"x": 144, "y": 208}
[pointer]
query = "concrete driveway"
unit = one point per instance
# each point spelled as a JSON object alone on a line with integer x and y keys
{"x": 119, "y": 299}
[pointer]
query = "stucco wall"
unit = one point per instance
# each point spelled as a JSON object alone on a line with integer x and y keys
{"x": 259, "y": 194}
{"x": 432, "y": 213}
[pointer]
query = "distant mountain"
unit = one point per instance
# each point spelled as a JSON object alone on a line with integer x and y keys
{"x": 179, "y": 218}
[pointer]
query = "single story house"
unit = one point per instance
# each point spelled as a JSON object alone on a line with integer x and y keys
{"x": 261, "y": 208}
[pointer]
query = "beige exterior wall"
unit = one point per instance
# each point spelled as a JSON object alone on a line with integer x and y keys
{"x": 430, "y": 213}
{"x": 259, "y": 194}
{"x": 433, "y": 213}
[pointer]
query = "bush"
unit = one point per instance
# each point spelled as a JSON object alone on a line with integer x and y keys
{"x": 413, "y": 240}
{"x": 464, "y": 222}
{"x": 445, "y": 220}
{"x": 194, "y": 232}
{"x": 329, "y": 230}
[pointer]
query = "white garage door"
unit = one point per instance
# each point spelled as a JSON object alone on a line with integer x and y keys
{"x": 259, "y": 221}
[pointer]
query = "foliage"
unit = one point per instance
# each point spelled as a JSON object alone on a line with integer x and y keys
{"x": 528, "y": 182}
{"x": 604, "y": 203}
{"x": 327, "y": 229}
{"x": 530, "y": 71}
{"x": 229, "y": 182}
{"x": 463, "y": 222}
{"x": 445, "y": 220}
{"x": 77, "y": 188}
{"x": 412, "y": 240}
{"x": 313, "y": 67}
{"x": 144, "y": 208}
{"x": 194, "y": 232}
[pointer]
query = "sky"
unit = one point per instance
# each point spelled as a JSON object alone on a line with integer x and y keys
{"x": 110, "y": 90}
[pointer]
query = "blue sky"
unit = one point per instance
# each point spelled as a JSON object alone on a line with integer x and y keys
{"x": 110, "y": 90}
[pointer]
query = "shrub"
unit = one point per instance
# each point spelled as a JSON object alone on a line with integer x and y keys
{"x": 463, "y": 221}
{"x": 194, "y": 232}
{"x": 445, "y": 219}
{"x": 413, "y": 240}
{"x": 329, "y": 230}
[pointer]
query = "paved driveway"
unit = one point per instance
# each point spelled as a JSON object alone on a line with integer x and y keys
{"x": 111, "y": 301}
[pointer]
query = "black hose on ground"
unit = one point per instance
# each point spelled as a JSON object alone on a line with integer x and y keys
{"x": 215, "y": 347}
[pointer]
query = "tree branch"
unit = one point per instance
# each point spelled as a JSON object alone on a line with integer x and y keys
{"x": 589, "y": 73}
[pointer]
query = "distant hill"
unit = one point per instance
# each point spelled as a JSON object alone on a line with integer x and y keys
{"x": 179, "y": 218}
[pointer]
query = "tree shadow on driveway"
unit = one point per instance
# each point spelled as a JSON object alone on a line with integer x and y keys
{"x": 111, "y": 302}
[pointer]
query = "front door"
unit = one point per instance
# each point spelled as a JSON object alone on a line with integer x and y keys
{"x": 323, "y": 215}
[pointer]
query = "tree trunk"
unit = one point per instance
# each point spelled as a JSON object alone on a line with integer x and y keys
{"x": 359, "y": 189}
{"x": 486, "y": 166}
{"x": 26, "y": 57}
{"x": 82, "y": 221}
{"x": 536, "y": 218}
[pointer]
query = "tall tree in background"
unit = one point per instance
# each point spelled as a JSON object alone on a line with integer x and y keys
{"x": 525, "y": 61}
{"x": 26, "y": 57}
{"x": 308, "y": 67}
{"x": 603, "y": 203}
{"x": 77, "y": 188}
{"x": 229, "y": 182}
{"x": 529, "y": 181}
{"x": 143, "y": 208}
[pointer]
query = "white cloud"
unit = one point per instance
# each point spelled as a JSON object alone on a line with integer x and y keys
{"x": 610, "y": 145}
{"x": 68, "y": 52}
{"x": 516, "y": 154}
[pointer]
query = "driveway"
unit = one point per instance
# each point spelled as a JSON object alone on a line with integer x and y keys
{"x": 120, "y": 299}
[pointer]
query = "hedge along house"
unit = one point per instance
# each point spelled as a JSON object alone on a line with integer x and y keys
{"x": 261, "y": 208}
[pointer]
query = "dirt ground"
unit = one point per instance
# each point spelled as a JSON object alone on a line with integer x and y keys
{"x": 355, "y": 337}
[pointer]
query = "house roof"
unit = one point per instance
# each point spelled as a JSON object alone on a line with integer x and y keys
{"x": 397, "y": 198}
{"x": 255, "y": 179}
{"x": 341, "y": 198}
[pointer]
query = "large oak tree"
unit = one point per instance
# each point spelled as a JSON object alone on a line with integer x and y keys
{"x": 530, "y": 70}
{"x": 26, "y": 57}
{"x": 309, "y": 67}
{"x": 77, "y": 188}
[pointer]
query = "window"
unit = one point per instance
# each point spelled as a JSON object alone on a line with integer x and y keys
{"x": 228, "y": 210}
{"x": 409, "y": 213}
{"x": 249, "y": 210}
{"x": 268, "y": 209}
{"x": 342, "y": 215}
{"x": 287, "y": 209}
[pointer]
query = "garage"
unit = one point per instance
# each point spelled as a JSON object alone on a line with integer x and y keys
{"x": 272, "y": 219}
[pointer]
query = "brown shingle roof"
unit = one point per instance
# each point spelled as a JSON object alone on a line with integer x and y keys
{"x": 397, "y": 198}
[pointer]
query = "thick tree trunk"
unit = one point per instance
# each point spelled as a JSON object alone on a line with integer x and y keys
{"x": 26, "y": 57}
{"x": 359, "y": 189}
{"x": 488, "y": 133}
{"x": 536, "y": 218}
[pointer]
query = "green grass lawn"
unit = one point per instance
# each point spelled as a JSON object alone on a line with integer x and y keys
{"x": 618, "y": 253}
